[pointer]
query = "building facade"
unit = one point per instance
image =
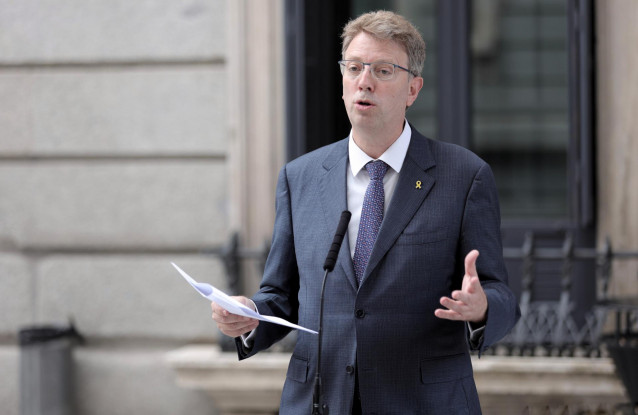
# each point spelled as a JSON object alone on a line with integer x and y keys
{"x": 133, "y": 134}
{"x": 114, "y": 143}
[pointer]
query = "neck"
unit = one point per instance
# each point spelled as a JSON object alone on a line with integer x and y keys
{"x": 374, "y": 143}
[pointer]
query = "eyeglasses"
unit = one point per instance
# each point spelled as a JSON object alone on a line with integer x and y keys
{"x": 383, "y": 71}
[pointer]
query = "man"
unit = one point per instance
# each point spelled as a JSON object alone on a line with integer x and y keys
{"x": 421, "y": 215}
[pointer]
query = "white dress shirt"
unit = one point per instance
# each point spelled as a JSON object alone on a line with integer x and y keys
{"x": 358, "y": 177}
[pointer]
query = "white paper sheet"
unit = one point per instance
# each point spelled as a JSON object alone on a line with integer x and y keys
{"x": 233, "y": 306}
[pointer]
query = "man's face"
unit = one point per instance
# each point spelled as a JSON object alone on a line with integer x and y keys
{"x": 378, "y": 107}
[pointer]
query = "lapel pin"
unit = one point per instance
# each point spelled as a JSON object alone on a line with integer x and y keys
{"x": 418, "y": 184}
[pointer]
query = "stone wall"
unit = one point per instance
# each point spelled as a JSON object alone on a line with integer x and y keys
{"x": 113, "y": 162}
{"x": 617, "y": 141}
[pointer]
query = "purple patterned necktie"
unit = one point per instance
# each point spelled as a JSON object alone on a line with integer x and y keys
{"x": 371, "y": 217}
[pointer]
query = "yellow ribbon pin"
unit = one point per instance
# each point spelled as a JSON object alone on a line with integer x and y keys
{"x": 418, "y": 184}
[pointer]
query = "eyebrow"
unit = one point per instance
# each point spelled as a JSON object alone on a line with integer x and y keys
{"x": 383, "y": 60}
{"x": 374, "y": 61}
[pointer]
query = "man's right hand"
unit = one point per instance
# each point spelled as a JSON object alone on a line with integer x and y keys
{"x": 231, "y": 324}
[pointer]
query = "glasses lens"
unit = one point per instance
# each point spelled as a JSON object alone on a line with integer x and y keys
{"x": 380, "y": 70}
{"x": 352, "y": 68}
{"x": 383, "y": 71}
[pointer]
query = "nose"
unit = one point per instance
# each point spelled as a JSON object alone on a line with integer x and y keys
{"x": 366, "y": 79}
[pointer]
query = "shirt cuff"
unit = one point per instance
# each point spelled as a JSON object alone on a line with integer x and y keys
{"x": 248, "y": 339}
{"x": 476, "y": 336}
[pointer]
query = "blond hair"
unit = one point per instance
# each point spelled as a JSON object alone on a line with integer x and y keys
{"x": 386, "y": 25}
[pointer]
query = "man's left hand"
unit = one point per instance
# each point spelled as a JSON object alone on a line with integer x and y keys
{"x": 469, "y": 303}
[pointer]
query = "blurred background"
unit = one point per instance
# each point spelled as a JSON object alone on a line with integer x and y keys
{"x": 133, "y": 134}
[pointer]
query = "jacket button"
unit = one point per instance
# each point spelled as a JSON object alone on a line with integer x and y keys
{"x": 349, "y": 369}
{"x": 359, "y": 313}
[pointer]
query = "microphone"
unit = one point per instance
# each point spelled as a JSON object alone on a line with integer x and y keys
{"x": 331, "y": 259}
{"x": 328, "y": 266}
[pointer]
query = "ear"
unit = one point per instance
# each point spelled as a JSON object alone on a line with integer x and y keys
{"x": 415, "y": 85}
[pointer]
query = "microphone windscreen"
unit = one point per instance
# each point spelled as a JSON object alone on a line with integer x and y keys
{"x": 342, "y": 228}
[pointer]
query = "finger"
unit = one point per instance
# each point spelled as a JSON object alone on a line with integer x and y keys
{"x": 245, "y": 301}
{"x": 474, "y": 285}
{"x": 222, "y": 316}
{"x": 231, "y": 319}
{"x": 460, "y": 312}
{"x": 470, "y": 263}
{"x": 219, "y": 310}
{"x": 458, "y": 307}
{"x": 231, "y": 327}
{"x": 447, "y": 314}
{"x": 462, "y": 296}
{"x": 237, "y": 329}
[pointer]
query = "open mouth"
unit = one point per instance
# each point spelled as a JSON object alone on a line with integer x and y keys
{"x": 364, "y": 103}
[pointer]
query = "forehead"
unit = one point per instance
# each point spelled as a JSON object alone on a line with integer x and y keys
{"x": 368, "y": 48}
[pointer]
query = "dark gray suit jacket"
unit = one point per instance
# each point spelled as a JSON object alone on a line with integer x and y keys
{"x": 408, "y": 360}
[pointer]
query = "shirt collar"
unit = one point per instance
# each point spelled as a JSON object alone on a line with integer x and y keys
{"x": 393, "y": 156}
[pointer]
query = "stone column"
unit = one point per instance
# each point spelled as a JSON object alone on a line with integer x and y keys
{"x": 256, "y": 119}
{"x": 617, "y": 142}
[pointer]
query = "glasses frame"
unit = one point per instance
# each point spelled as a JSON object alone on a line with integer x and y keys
{"x": 342, "y": 66}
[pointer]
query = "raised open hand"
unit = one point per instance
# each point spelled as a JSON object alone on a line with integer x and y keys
{"x": 469, "y": 303}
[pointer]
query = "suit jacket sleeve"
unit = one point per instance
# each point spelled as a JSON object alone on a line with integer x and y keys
{"x": 481, "y": 231}
{"x": 280, "y": 284}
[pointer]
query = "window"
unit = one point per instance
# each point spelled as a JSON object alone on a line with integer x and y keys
{"x": 520, "y": 103}
{"x": 510, "y": 79}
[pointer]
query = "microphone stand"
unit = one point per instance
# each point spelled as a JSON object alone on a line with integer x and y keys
{"x": 328, "y": 266}
{"x": 316, "y": 396}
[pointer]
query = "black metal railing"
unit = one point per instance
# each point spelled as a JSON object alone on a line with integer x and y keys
{"x": 545, "y": 327}
{"x": 550, "y": 327}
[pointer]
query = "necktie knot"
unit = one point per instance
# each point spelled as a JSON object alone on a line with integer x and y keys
{"x": 376, "y": 169}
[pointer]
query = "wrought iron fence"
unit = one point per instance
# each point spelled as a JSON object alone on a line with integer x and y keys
{"x": 549, "y": 327}
{"x": 546, "y": 327}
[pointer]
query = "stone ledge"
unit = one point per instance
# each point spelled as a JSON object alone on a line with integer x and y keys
{"x": 512, "y": 385}
{"x": 495, "y": 374}
{"x": 252, "y": 386}
{"x": 505, "y": 384}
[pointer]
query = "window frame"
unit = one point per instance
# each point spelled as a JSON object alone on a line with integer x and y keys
{"x": 316, "y": 116}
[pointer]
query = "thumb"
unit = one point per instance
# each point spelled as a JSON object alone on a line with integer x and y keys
{"x": 245, "y": 301}
{"x": 470, "y": 263}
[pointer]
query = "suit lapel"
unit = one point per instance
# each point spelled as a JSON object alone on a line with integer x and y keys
{"x": 414, "y": 184}
{"x": 334, "y": 201}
